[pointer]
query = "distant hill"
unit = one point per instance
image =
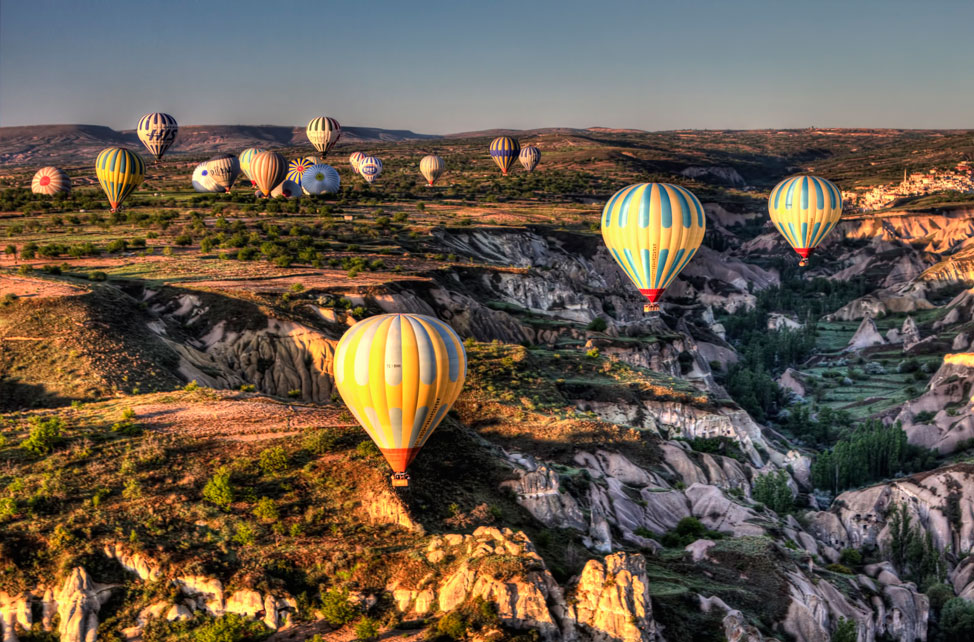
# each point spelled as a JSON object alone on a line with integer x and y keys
{"x": 70, "y": 144}
{"x": 541, "y": 131}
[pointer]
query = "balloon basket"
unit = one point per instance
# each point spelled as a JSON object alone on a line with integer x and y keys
{"x": 400, "y": 480}
{"x": 803, "y": 263}
{"x": 651, "y": 308}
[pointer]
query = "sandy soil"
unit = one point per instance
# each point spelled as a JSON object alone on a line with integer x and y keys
{"x": 25, "y": 287}
{"x": 244, "y": 419}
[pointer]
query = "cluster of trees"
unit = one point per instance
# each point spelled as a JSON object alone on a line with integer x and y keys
{"x": 773, "y": 491}
{"x": 765, "y": 354}
{"x": 821, "y": 429}
{"x": 871, "y": 452}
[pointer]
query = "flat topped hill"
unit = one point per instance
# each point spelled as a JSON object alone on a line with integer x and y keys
{"x": 47, "y": 144}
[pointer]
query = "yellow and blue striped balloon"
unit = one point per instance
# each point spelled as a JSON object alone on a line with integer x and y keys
{"x": 297, "y": 167}
{"x": 119, "y": 172}
{"x": 530, "y": 156}
{"x": 399, "y": 374}
{"x": 805, "y": 209}
{"x": 245, "y": 157}
{"x": 157, "y": 132}
{"x": 504, "y": 150}
{"x": 652, "y": 230}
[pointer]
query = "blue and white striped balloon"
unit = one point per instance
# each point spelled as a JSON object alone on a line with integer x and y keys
{"x": 320, "y": 179}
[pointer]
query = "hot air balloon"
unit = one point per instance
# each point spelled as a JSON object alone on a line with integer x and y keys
{"x": 323, "y": 132}
{"x": 355, "y": 159}
{"x": 245, "y": 157}
{"x": 399, "y": 374}
{"x": 370, "y": 167}
{"x": 431, "y": 167}
{"x": 223, "y": 169}
{"x": 267, "y": 169}
{"x": 202, "y": 181}
{"x": 295, "y": 169}
{"x": 119, "y": 171}
{"x": 321, "y": 179}
{"x": 157, "y": 132}
{"x": 287, "y": 189}
{"x": 529, "y": 157}
{"x": 805, "y": 209}
{"x": 504, "y": 150}
{"x": 49, "y": 181}
{"x": 652, "y": 231}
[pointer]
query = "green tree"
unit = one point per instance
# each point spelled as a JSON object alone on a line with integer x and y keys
{"x": 773, "y": 491}
{"x": 219, "y": 489}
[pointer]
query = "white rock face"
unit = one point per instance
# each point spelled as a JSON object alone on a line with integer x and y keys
{"x": 939, "y": 429}
{"x": 78, "y": 602}
{"x": 866, "y": 336}
{"x": 540, "y": 492}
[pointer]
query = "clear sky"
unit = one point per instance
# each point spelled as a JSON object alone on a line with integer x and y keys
{"x": 459, "y": 65}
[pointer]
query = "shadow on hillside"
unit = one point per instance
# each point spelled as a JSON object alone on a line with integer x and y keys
{"x": 15, "y": 395}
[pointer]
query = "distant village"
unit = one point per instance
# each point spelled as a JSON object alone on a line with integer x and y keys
{"x": 958, "y": 179}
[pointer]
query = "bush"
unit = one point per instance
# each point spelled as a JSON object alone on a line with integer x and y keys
{"x": 839, "y": 568}
{"x": 367, "y": 629}
{"x": 957, "y": 620}
{"x": 97, "y": 276}
{"x": 45, "y": 435}
{"x": 845, "y": 631}
{"x": 231, "y": 628}
{"x": 452, "y": 625}
{"x": 336, "y": 609}
{"x": 266, "y": 510}
{"x": 598, "y": 324}
{"x": 320, "y": 442}
{"x": 850, "y": 557}
{"x": 939, "y": 594}
{"x": 272, "y": 460}
{"x": 219, "y": 489}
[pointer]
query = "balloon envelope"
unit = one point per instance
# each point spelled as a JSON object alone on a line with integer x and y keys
{"x": 399, "y": 374}
{"x": 323, "y": 132}
{"x": 245, "y": 157}
{"x": 504, "y": 150}
{"x": 296, "y": 168}
{"x": 321, "y": 179}
{"x": 119, "y": 172}
{"x": 431, "y": 167}
{"x": 529, "y": 157}
{"x": 223, "y": 169}
{"x": 202, "y": 181}
{"x": 355, "y": 159}
{"x": 268, "y": 169}
{"x": 49, "y": 181}
{"x": 157, "y": 132}
{"x": 652, "y": 230}
{"x": 370, "y": 167}
{"x": 287, "y": 189}
{"x": 805, "y": 209}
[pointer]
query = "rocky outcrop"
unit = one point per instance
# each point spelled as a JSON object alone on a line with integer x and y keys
{"x": 539, "y": 491}
{"x": 78, "y": 602}
{"x": 383, "y": 507}
{"x": 942, "y": 417}
{"x": 612, "y": 601}
{"x": 866, "y": 336}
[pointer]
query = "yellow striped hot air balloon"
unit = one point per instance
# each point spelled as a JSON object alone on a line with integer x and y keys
{"x": 805, "y": 209}
{"x": 399, "y": 374}
{"x": 49, "y": 181}
{"x": 119, "y": 171}
{"x": 323, "y": 132}
{"x": 431, "y": 167}
{"x": 245, "y": 157}
{"x": 504, "y": 150}
{"x": 268, "y": 170}
{"x": 355, "y": 159}
{"x": 157, "y": 132}
{"x": 652, "y": 231}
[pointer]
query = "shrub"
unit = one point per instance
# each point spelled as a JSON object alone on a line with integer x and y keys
{"x": 97, "y": 276}
{"x": 366, "y": 629}
{"x": 939, "y": 594}
{"x": 839, "y": 568}
{"x": 320, "y": 442}
{"x": 850, "y": 557}
{"x": 336, "y": 609}
{"x": 452, "y": 625}
{"x": 231, "y": 628}
{"x": 248, "y": 387}
{"x": 219, "y": 489}
{"x": 845, "y": 631}
{"x": 272, "y": 460}
{"x": 598, "y": 324}
{"x": 45, "y": 435}
{"x": 191, "y": 386}
{"x": 592, "y": 353}
{"x": 266, "y": 510}
{"x": 957, "y": 620}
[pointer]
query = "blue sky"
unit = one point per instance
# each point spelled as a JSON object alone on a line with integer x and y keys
{"x": 441, "y": 67}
